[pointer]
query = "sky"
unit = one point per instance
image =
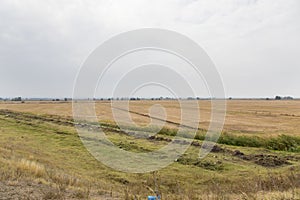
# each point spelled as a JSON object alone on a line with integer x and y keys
{"x": 254, "y": 44}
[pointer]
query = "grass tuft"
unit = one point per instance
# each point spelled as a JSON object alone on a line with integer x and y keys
{"x": 32, "y": 167}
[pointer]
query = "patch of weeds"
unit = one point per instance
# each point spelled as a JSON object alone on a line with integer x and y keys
{"x": 241, "y": 140}
{"x": 281, "y": 143}
{"x": 168, "y": 131}
{"x": 209, "y": 165}
{"x": 131, "y": 147}
{"x": 284, "y": 143}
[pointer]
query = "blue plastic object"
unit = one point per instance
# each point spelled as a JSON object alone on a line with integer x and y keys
{"x": 151, "y": 198}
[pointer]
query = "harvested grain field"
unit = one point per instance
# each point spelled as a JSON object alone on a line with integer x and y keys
{"x": 246, "y": 117}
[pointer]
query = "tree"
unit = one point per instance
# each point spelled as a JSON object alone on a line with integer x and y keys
{"x": 17, "y": 99}
{"x": 288, "y": 98}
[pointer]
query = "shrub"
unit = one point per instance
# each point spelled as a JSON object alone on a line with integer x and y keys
{"x": 168, "y": 131}
{"x": 284, "y": 143}
{"x": 245, "y": 141}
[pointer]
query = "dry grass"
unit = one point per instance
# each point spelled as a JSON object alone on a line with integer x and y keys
{"x": 55, "y": 184}
{"x": 49, "y": 155}
{"x": 29, "y": 166}
{"x": 256, "y": 117}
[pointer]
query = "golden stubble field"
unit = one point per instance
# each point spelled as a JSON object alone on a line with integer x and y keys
{"x": 250, "y": 117}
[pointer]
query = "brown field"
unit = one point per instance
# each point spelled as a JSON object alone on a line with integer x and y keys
{"x": 255, "y": 117}
{"x": 42, "y": 157}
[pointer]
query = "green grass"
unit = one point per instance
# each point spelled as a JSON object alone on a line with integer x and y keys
{"x": 280, "y": 143}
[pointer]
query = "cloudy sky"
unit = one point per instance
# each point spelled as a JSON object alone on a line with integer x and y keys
{"x": 255, "y": 44}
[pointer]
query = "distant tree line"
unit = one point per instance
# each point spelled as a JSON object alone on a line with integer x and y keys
{"x": 268, "y": 98}
{"x": 149, "y": 98}
{"x": 16, "y": 99}
{"x": 64, "y": 99}
{"x": 34, "y": 99}
{"x": 20, "y": 99}
{"x": 283, "y": 98}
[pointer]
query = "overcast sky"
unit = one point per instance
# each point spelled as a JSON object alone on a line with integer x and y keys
{"x": 255, "y": 44}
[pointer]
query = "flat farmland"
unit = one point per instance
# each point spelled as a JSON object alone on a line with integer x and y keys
{"x": 245, "y": 117}
{"x": 42, "y": 157}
